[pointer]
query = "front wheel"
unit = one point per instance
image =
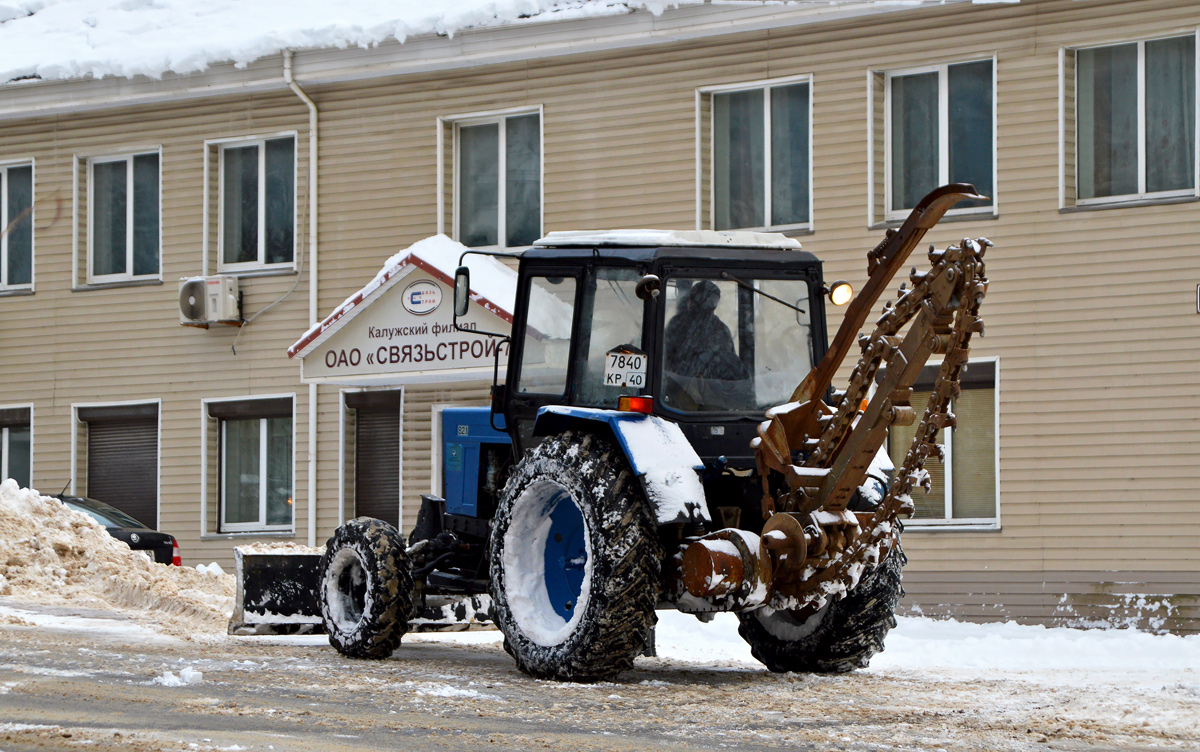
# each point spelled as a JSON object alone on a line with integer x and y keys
{"x": 839, "y": 637}
{"x": 574, "y": 561}
{"x": 366, "y": 587}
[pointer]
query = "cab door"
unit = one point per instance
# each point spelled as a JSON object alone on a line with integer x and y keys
{"x": 541, "y": 348}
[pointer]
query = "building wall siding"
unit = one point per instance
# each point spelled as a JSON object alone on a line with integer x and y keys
{"x": 1090, "y": 313}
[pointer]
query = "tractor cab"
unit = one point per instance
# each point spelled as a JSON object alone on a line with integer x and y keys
{"x": 707, "y": 330}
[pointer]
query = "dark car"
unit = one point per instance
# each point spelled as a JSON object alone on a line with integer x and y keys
{"x": 164, "y": 548}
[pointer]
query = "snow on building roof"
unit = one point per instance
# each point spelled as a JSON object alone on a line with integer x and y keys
{"x": 61, "y": 39}
{"x": 71, "y": 39}
{"x": 493, "y": 285}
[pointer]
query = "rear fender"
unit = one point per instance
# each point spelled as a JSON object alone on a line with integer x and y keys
{"x": 662, "y": 459}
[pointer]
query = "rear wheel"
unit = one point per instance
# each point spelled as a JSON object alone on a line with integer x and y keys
{"x": 840, "y": 637}
{"x": 366, "y": 587}
{"x": 574, "y": 561}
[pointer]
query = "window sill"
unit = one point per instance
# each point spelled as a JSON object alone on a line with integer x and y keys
{"x": 111, "y": 285}
{"x": 1131, "y": 204}
{"x": 242, "y": 534}
{"x": 951, "y": 527}
{"x": 249, "y": 273}
{"x": 976, "y": 217}
{"x": 16, "y": 293}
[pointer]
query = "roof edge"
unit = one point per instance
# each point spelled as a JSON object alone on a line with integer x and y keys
{"x": 429, "y": 53}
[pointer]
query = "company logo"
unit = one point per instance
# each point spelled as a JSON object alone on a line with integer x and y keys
{"x": 422, "y": 297}
{"x": 134, "y": 537}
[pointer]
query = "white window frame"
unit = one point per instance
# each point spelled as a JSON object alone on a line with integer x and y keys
{"x": 4, "y": 453}
{"x": 1142, "y": 194}
{"x": 127, "y": 157}
{"x": 222, "y": 531}
{"x": 4, "y": 168}
{"x": 221, "y": 144}
{"x": 455, "y": 122}
{"x": 707, "y": 183}
{"x": 964, "y": 523}
{"x": 943, "y": 71}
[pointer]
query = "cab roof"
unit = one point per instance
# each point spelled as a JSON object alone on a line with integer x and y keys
{"x": 674, "y": 238}
{"x": 647, "y": 245}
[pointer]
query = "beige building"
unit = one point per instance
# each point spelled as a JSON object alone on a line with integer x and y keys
{"x": 1071, "y": 493}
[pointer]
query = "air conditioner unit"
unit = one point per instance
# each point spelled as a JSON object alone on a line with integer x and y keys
{"x": 205, "y": 300}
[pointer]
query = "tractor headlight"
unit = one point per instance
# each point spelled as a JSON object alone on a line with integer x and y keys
{"x": 840, "y": 292}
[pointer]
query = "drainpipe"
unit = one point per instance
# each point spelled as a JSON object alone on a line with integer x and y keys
{"x": 312, "y": 286}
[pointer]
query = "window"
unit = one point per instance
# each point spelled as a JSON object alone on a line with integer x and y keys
{"x": 760, "y": 161}
{"x": 256, "y": 464}
{"x": 940, "y": 124}
{"x": 258, "y": 204}
{"x": 734, "y": 345}
{"x": 16, "y": 245}
{"x": 611, "y": 321}
{"x": 547, "y": 340}
{"x": 16, "y": 456}
{"x": 964, "y": 486}
{"x": 123, "y": 217}
{"x": 1135, "y": 119}
{"x": 498, "y": 179}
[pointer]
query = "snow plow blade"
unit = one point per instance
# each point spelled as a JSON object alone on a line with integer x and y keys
{"x": 278, "y": 594}
{"x": 276, "y": 591}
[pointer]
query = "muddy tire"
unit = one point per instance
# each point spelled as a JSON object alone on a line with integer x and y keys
{"x": 366, "y": 588}
{"x": 575, "y": 561}
{"x": 840, "y": 637}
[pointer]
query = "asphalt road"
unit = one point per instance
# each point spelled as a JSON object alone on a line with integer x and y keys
{"x": 100, "y": 688}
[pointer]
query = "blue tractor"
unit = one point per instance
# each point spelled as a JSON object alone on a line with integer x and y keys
{"x": 649, "y": 448}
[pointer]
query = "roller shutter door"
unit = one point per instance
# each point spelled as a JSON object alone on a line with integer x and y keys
{"x": 377, "y": 463}
{"x": 122, "y": 465}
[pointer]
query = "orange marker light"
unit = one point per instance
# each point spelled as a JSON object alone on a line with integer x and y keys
{"x": 635, "y": 404}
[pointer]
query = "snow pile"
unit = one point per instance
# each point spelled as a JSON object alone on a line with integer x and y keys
{"x": 187, "y": 676}
{"x": 1049, "y": 653}
{"x": 212, "y": 568}
{"x": 1006, "y": 646}
{"x": 53, "y": 555}
{"x": 58, "y": 39}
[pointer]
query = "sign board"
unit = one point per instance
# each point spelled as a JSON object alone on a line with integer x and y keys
{"x": 408, "y": 333}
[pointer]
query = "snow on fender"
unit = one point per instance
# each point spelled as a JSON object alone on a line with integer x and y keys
{"x": 659, "y": 455}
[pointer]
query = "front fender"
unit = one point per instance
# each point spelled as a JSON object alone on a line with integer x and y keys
{"x": 658, "y": 453}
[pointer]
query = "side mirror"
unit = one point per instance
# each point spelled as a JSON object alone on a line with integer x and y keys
{"x": 462, "y": 291}
{"x": 648, "y": 287}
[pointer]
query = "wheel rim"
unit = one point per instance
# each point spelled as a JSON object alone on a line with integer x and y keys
{"x": 565, "y": 557}
{"x": 546, "y": 554}
{"x": 346, "y": 590}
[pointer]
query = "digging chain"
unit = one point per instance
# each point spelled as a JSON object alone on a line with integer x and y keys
{"x": 952, "y": 322}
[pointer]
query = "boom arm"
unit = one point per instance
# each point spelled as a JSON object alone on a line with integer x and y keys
{"x": 787, "y": 423}
{"x": 818, "y": 547}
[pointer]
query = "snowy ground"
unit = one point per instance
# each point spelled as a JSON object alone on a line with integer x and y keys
{"x": 100, "y": 649}
{"x": 100, "y": 680}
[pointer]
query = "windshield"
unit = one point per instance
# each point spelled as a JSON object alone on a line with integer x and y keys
{"x": 609, "y": 358}
{"x": 734, "y": 344}
{"x": 103, "y": 513}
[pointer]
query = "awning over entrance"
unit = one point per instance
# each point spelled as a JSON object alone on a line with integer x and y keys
{"x": 399, "y": 328}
